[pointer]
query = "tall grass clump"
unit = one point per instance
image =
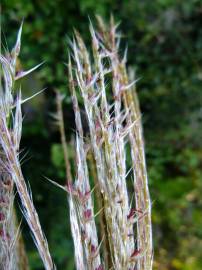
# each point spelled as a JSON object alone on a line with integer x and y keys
{"x": 121, "y": 236}
{"x": 10, "y": 169}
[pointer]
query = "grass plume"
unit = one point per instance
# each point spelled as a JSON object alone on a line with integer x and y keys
{"x": 10, "y": 135}
{"x": 100, "y": 79}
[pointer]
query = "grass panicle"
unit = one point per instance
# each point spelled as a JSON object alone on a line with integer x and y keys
{"x": 10, "y": 135}
{"x": 100, "y": 80}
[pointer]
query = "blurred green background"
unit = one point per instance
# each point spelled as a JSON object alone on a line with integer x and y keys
{"x": 164, "y": 40}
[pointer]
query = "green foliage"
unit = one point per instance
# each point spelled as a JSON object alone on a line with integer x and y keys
{"x": 165, "y": 48}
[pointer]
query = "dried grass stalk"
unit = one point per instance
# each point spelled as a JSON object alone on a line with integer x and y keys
{"x": 10, "y": 135}
{"x": 8, "y": 225}
{"x": 131, "y": 103}
{"x": 113, "y": 116}
{"x": 82, "y": 221}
